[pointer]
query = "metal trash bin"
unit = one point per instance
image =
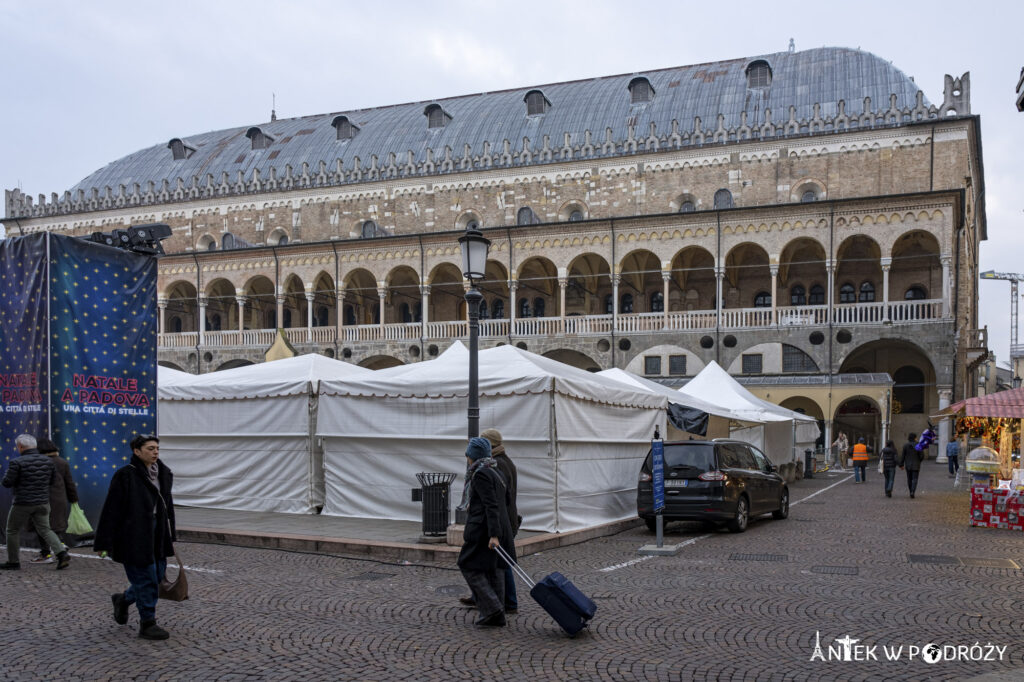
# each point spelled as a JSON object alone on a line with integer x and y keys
{"x": 434, "y": 493}
{"x": 808, "y": 464}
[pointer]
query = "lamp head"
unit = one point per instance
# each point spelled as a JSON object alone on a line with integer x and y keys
{"x": 474, "y": 254}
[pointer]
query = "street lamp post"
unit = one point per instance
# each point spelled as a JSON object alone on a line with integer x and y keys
{"x": 474, "y": 265}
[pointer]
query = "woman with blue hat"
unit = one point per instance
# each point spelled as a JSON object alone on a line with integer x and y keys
{"x": 485, "y": 497}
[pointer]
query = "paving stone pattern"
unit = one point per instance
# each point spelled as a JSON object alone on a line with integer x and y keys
{"x": 705, "y": 614}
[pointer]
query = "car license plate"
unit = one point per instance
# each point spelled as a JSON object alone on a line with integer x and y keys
{"x": 677, "y": 484}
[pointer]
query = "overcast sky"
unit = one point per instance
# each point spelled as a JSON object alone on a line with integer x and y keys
{"x": 85, "y": 83}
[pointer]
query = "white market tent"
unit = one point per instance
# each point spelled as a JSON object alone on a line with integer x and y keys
{"x": 165, "y": 376}
{"x": 720, "y": 418}
{"x": 782, "y": 435}
{"x": 577, "y": 439}
{"x": 243, "y": 438}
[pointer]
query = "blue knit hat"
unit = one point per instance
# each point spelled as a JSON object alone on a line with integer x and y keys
{"x": 478, "y": 448}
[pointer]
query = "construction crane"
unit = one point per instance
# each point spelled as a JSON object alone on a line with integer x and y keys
{"x": 1013, "y": 279}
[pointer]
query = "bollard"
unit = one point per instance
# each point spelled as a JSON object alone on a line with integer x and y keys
{"x": 808, "y": 464}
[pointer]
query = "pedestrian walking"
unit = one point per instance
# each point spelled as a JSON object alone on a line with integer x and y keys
{"x": 485, "y": 497}
{"x": 910, "y": 459}
{"x": 63, "y": 493}
{"x": 136, "y": 528}
{"x": 508, "y": 470}
{"x": 30, "y": 476}
{"x": 888, "y": 457}
{"x": 841, "y": 448}
{"x": 860, "y": 462}
{"x": 953, "y": 457}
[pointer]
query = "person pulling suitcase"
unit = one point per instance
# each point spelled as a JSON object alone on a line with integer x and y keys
{"x": 485, "y": 498}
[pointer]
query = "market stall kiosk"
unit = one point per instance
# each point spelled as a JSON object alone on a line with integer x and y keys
{"x": 997, "y": 482}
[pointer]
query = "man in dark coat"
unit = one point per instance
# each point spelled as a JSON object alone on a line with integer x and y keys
{"x": 136, "y": 528}
{"x": 910, "y": 459}
{"x": 511, "y": 476}
{"x": 889, "y": 466}
{"x": 30, "y": 475}
{"x": 485, "y": 497}
{"x": 63, "y": 493}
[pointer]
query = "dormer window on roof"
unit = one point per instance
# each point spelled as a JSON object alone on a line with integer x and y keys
{"x": 260, "y": 140}
{"x": 179, "y": 149}
{"x": 759, "y": 74}
{"x": 640, "y": 90}
{"x": 345, "y": 128}
{"x": 536, "y": 103}
{"x": 436, "y": 116}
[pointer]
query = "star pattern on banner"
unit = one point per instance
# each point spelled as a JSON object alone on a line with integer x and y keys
{"x": 102, "y": 325}
{"x": 95, "y": 373}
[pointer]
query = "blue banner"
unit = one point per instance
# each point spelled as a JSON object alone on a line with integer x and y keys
{"x": 23, "y": 385}
{"x": 103, "y": 321}
{"x": 658, "y": 474}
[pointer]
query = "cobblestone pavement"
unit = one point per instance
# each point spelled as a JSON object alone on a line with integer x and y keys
{"x": 848, "y": 562}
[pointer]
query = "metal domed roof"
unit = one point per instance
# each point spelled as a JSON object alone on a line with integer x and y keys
{"x": 822, "y": 76}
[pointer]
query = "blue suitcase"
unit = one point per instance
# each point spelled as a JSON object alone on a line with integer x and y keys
{"x": 559, "y": 597}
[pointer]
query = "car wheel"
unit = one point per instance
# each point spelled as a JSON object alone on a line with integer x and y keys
{"x": 739, "y": 521}
{"x": 783, "y": 511}
{"x": 652, "y": 523}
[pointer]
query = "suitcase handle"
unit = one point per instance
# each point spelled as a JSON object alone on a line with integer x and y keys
{"x": 516, "y": 568}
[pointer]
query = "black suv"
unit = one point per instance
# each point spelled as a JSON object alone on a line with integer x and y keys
{"x": 714, "y": 480}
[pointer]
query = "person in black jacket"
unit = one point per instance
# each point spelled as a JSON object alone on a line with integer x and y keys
{"x": 30, "y": 475}
{"x": 508, "y": 471}
{"x": 63, "y": 493}
{"x": 136, "y": 528}
{"x": 910, "y": 459}
{"x": 889, "y": 466}
{"x": 485, "y": 497}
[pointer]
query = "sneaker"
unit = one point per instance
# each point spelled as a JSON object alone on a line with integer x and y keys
{"x": 467, "y": 601}
{"x": 44, "y": 559}
{"x": 10, "y": 566}
{"x": 150, "y": 630}
{"x": 120, "y": 608}
{"x": 63, "y": 560}
{"x": 911, "y": 495}
{"x": 888, "y": 493}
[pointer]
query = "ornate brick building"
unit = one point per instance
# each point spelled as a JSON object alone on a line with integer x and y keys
{"x": 801, "y": 214}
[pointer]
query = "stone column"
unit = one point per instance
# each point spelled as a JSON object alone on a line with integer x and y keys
{"x": 161, "y": 304}
{"x": 666, "y": 277}
{"x": 310, "y": 295}
{"x": 382, "y": 294}
{"x": 719, "y": 276}
{"x": 830, "y": 268}
{"x": 425, "y": 306}
{"x": 202, "y": 318}
{"x": 945, "y": 398}
{"x": 774, "y": 270}
{"x": 946, "y": 260}
{"x": 280, "y": 309}
{"x": 563, "y": 282}
{"x": 513, "y": 306}
{"x": 339, "y": 304}
{"x": 886, "y": 265}
{"x": 240, "y": 300}
{"x": 615, "y": 302}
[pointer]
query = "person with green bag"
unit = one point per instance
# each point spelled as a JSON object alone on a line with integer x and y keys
{"x": 63, "y": 493}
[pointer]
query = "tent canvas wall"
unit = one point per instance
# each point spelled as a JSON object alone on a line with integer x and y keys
{"x": 243, "y": 438}
{"x": 719, "y": 419}
{"x": 783, "y": 434}
{"x": 577, "y": 439}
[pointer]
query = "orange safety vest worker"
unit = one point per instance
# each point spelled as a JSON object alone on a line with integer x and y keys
{"x": 860, "y": 452}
